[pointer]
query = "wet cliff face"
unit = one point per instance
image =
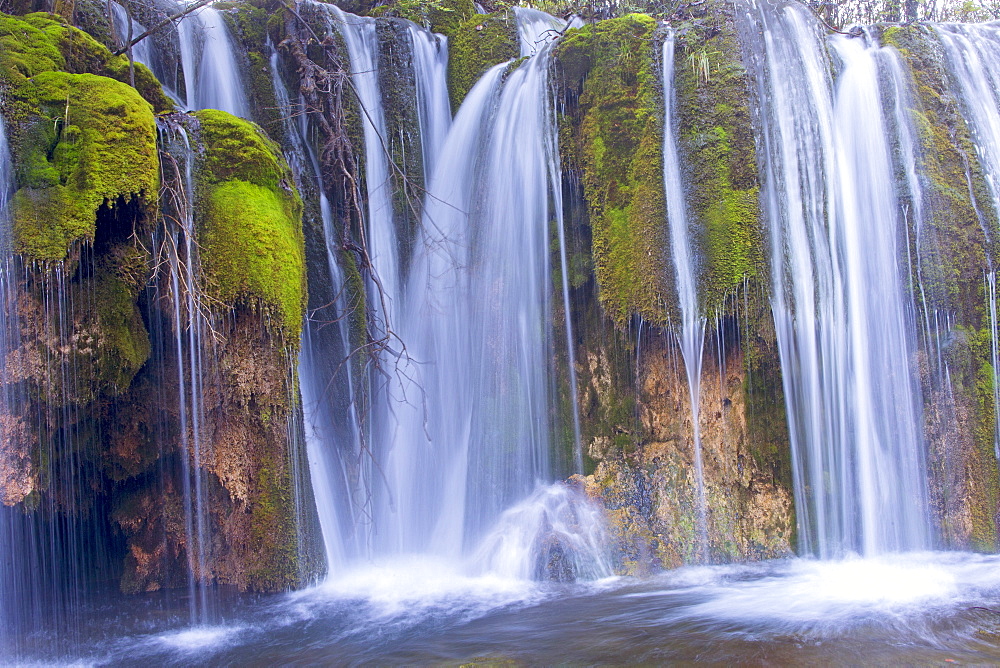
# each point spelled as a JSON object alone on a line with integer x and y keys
{"x": 643, "y": 468}
{"x": 952, "y": 254}
{"x": 634, "y": 397}
{"x": 101, "y": 435}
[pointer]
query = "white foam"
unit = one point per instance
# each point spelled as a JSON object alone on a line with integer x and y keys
{"x": 407, "y": 580}
{"x": 199, "y": 638}
{"x": 823, "y": 592}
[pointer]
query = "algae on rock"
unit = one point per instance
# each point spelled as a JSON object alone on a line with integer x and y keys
{"x": 608, "y": 69}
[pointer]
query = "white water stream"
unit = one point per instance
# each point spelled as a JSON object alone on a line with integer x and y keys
{"x": 843, "y": 324}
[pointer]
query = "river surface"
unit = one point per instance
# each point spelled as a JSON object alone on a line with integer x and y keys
{"x": 916, "y": 608}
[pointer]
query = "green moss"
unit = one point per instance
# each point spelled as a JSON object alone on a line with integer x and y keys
{"x": 39, "y": 43}
{"x": 984, "y": 525}
{"x": 274, "y": 549}
{"x": 439, "y": 15}
{"x": 250, "y": 221}
{"x": 124, "y": 343}
{"x": 93, "y": 142}
{"x": 27, "y": 49}
{"x": 717, "y": 147}
{"x": 248, "y": 24}
{"x": 616, "y": 143}
{"x": 476, "y": 42}
{"x": 91, "y": 16}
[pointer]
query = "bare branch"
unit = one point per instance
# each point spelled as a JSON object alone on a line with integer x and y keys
{"x": 159, "y": 26}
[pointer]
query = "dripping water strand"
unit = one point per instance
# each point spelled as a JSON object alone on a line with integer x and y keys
{"x": 692, "y": 331}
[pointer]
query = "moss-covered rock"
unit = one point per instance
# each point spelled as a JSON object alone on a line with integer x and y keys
{"x": 616, "y": 141}
{"x": 476, "y": 42}
{"x": 249, "y": 219}
{"x": 37, "y": 43}
{"x": 649, "y": 489}
{"x": 93, "y": 142}
{"x": 717, "y": 148}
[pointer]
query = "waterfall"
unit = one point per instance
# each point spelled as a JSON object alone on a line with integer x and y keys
{"x": 536, "y": 30}
{"x": 212, "y": 78}
{"x": 326, "y": 376}
{"x": 972, "y": 52}
{"x": 458, "y": 429}
{"x": 991, "y": 295}
{"x": 536, "y": 33}
{"x": 440, "y": 284}
{"x": 144, "y": 52}
{"x": 430, "y": 68}
{"x": 692, "y": 332}
{"x": 843, "y": 327}
{"x": 190, "y": 343}
{"x": 10, "y": 407}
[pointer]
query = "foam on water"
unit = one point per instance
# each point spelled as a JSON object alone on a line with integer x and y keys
{"x": 557, "y": 533}
{"x": 408, "y": 590}
{"x": 828, "y": 596}
{"x": 199, "y": 638}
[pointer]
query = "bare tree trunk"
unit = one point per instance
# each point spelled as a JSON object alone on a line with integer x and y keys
{"x": 893, "y": 11}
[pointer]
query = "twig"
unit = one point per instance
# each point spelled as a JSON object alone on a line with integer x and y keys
{"x": 161, "y": 24}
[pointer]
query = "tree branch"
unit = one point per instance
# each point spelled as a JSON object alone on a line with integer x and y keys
{"x": 161, "y": 24}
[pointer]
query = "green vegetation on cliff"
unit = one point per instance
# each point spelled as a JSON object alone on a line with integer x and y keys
{"x": 37, "y": 43}
{"x": 93, "y": 143}
{"x": 82, "y": 139}
{"x": 957, "y": 205}
{"x": 717, "y": 148}
{"x": 250, "y": 222}
{"x": 616, "y": 142}
{"x": 476, "y": 42}
{"x": 956, "y": 245}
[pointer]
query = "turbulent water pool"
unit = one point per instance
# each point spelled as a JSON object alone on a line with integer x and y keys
{"x": 913, "y": 608}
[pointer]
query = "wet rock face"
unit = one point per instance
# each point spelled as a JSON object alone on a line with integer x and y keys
{"x": 649, "y": 488}
{"x": 555, "y": 562}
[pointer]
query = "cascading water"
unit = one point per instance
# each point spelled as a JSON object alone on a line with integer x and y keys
{"x": 536, "y": 33}
{"x": 212, "y": 78}
{"x": 191, "y": 343}
{"x": 991, "y": 295}
{"x": 124, "y": 25}
{"x": 455, "y": 450}
{"x": 840, "y": 313}
{"x": 10, "y": 406}
{"x": 692, "y": 330}
{"x": 439, "y": 287}
{"x": 972, "y": 52}
{"x": 430, "y": 68}
{"x": 333, "y": 439}
{"x": 460, "y": 429}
